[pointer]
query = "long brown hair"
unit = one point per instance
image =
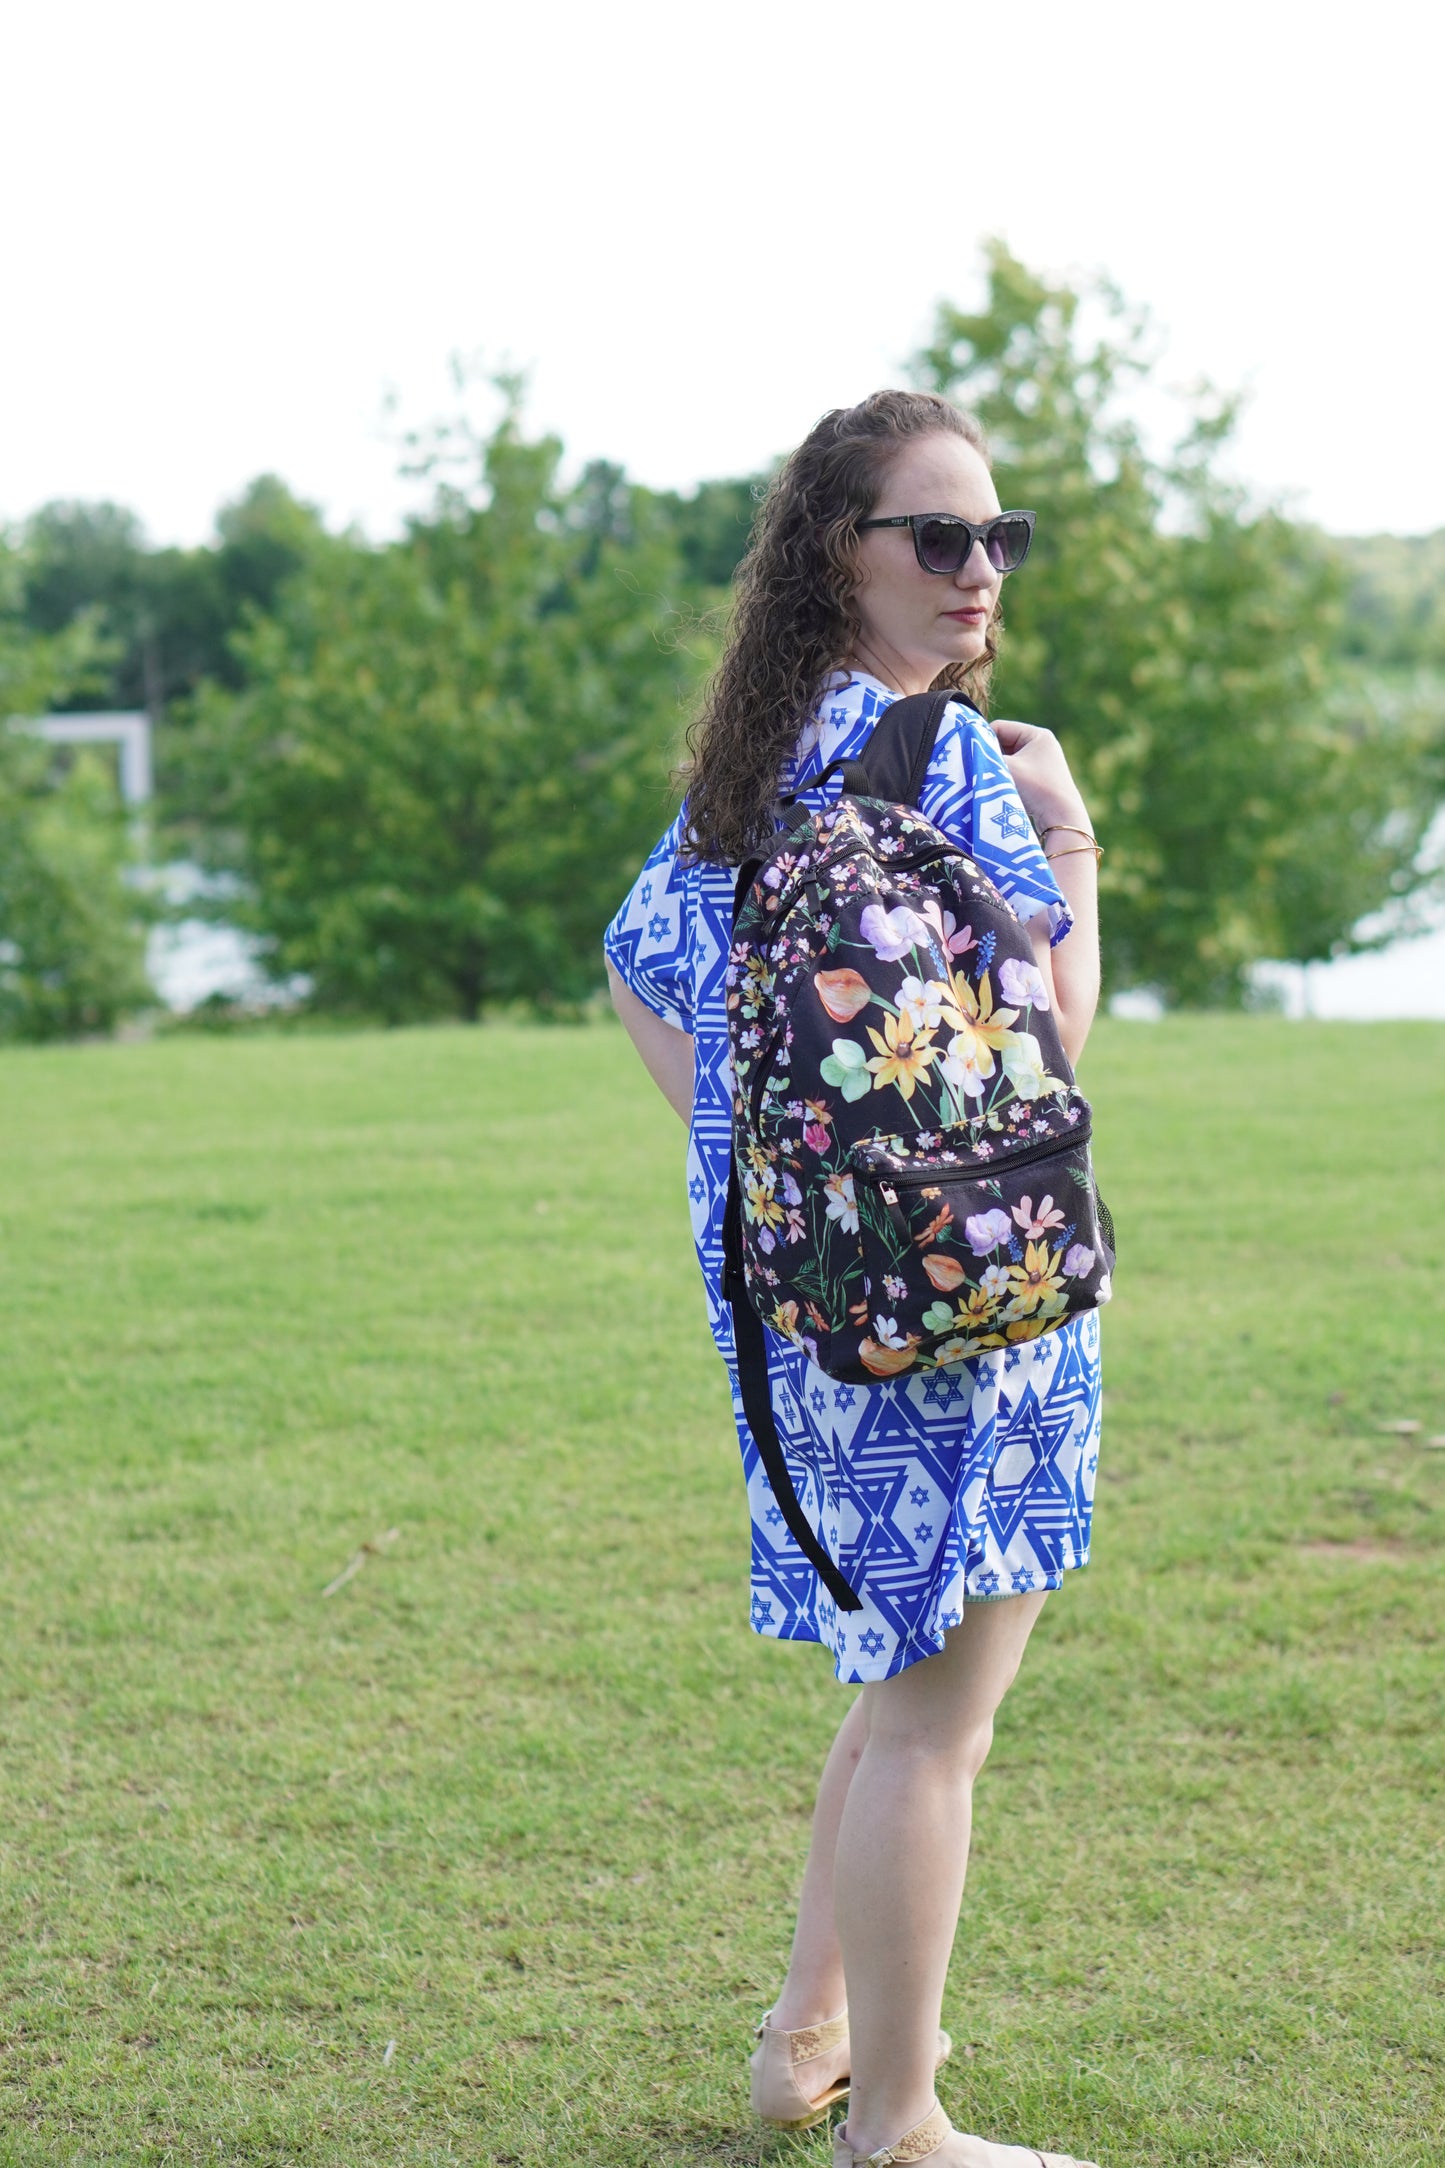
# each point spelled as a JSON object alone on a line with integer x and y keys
{"x": 794, "y": 620}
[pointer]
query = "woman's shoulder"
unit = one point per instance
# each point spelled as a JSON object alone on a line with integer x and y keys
{"x": 964, "y": 741}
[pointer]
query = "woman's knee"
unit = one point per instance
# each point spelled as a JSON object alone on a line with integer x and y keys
{"x": 935, "y": 1749}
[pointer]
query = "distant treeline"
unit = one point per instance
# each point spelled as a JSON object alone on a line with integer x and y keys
{"x": 430, "y": 765}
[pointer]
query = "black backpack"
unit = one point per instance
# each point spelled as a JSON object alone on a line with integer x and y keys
{"x": 911, "y": 1181}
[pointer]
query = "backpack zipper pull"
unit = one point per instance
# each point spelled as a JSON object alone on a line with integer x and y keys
{"x": 895, "y": 1210}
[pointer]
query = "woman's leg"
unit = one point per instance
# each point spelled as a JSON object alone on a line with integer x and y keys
{"x": 814, "y": 1991}
{"x": 901, "y": 1852}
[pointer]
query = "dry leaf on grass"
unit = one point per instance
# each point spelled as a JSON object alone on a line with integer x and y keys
{"x": 370, "y": 1549}
{"x": 1406, "y": 1428}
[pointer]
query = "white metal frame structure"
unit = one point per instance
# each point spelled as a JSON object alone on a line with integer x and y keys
{"x": 130, "y": 733}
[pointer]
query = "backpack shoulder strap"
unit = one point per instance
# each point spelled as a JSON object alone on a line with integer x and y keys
{"x": 896, "y": 756}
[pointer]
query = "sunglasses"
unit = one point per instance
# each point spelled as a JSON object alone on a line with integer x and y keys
{"x": 944, "y": 544}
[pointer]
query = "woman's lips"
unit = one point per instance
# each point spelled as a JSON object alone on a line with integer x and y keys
{"x": 966, "y": 617}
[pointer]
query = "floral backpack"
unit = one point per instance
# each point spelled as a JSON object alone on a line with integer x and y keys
{"x": 911, "y": 1181}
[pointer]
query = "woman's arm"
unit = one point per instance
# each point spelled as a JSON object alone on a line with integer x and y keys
{"x": 666, "y": 1052}
{"x": 1052, "y": 798}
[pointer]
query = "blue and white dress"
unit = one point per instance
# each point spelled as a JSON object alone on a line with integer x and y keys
{"x": 961, "y": 1485}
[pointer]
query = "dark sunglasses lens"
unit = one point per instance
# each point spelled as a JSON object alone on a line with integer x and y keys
{"x": 1007, "y": 543}
{"x": 942, "y": 544}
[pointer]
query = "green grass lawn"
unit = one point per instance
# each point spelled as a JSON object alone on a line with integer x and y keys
{"x": 489, "y": 1856}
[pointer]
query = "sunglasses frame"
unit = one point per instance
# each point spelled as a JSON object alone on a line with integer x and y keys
{"x": 976, "y": 531}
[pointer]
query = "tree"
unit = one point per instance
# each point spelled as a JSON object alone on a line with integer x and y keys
{"x": 163, "y": 619}
{"x": 1255, "y": 797}
{"x": 1396, "y": 611}
{"x": 711, "y": 527}
{"x": 71, "y": 930}
{"x": 449, "y": 752}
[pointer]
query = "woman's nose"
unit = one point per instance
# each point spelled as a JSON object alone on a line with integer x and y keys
{"x": 976, "y": 571}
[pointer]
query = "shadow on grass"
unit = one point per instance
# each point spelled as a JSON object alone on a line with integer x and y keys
{"x": 736, "y": 2147}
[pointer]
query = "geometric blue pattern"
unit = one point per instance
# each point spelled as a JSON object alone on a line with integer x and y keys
{"x": 962, "y": 1485}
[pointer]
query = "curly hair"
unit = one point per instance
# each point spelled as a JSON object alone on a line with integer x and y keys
{"x": 794, "y": 620}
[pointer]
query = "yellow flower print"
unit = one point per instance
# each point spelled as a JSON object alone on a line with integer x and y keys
{"x": 977, "y": 1309}
{"x": 1035, "y": 1282}
{"x": 902, "y": 1058}
{"x": 761, "y": 1206}
{"x": 981, "y": 1027}
{"x": 1027, "y": 1328}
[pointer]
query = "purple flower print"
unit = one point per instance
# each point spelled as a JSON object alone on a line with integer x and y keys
{"x": 985, "y": 1231}
{"x": 1079, "y": 1262}
{"x": 891, "y": 934}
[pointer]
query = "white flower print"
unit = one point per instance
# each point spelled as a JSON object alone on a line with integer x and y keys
{"x": 841, "y": 1202}
{"x": 966, "y": 1066}
{"x": 1022, "y": 985}
{"x": 921, "y": 1001}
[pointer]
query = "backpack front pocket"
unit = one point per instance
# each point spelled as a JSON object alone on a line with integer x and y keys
{"x": 971, "y": 1244}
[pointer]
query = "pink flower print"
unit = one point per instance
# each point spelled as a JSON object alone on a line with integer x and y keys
{"x": 891, "y": 934}
{"x": 893, "y": 1287}
{"x": 986, "y": 1230}
{"x": 1036, "y": 1224}
{"x": 815, "y": 1136}
{"x": 1079, "y": 1262}
{"x": 956, "y": 940}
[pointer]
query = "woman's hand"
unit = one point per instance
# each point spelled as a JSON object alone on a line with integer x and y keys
{"x": 1040, "y": 770}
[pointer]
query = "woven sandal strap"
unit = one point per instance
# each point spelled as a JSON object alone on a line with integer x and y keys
{"x": 916, "y": 2144}
{"x": 811, "y": 2040}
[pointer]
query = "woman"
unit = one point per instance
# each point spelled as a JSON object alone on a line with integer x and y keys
{"x": 975, "y": 1481}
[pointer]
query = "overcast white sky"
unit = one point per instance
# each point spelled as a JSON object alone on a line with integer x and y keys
{"x": 230, "y": 231}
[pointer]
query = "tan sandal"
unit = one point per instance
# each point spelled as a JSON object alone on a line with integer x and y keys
{"x": 926, "y": 2137}
{"x": 779, "y": 2073}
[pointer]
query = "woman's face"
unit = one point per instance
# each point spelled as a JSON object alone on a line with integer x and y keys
{"x": 916, "y": 623}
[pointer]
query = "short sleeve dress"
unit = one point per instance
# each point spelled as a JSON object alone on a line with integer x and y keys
{"x": 962, "y": 1485}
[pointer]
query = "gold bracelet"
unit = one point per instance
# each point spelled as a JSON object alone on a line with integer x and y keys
{"x": 1067, "y": 828}
{"x": 1078, "y": 850}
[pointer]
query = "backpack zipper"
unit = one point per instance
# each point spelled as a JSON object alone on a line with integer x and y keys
{"x": 888, "y": 1183}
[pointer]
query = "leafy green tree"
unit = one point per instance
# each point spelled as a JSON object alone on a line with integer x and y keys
{"x": 71, "y": 929}
{"x": 1255, "y": 797}
{"x": 163, "y": 619}
{"x": 1395, "y": 617}
{"x": 711, "y": 525}
{"x": 448, "y": 752}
